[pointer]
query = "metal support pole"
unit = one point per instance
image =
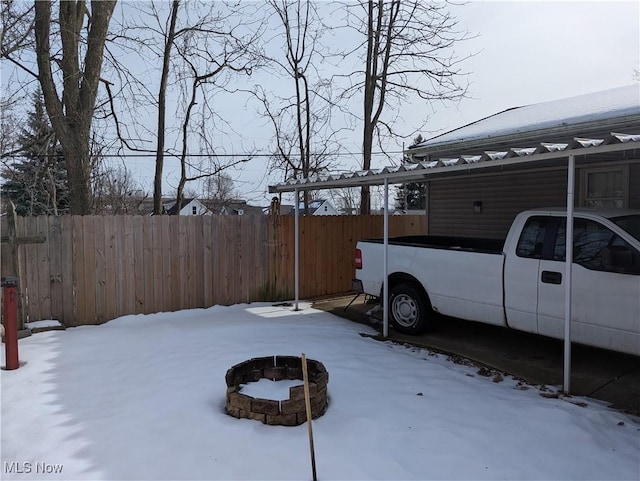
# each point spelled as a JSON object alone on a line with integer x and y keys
{"x": 385, "y": 289}
{"x": 10, "y": 321}
{"x": 568, "y": 275}
{"x": 297, "y": 249}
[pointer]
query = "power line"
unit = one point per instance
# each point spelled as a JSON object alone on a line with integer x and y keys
{"x": 248, "y": 156}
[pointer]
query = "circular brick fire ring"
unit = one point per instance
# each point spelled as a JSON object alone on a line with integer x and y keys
{"x": 291, "y": 412}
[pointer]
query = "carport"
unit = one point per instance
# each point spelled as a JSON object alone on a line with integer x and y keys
{"x": 591, "y": 129}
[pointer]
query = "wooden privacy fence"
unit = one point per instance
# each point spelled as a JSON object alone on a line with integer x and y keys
{"x": 327, "y": 248}
{"x": 91, "y": 269}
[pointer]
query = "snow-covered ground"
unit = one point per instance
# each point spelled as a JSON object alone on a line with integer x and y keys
{"x": 142, "y": 397}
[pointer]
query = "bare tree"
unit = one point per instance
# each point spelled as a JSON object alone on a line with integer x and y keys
{"x": 16, "y": 35}
{"x": 203, "y": 45}
{"x": 346, "y": 200}
{"x": 213, "y": 54}
{"x": 170, "y": 36}
{"x": 407, "y": 53}
{"x": 304, "y": 140}
{"x": 16, "y": 44}
{"x": 115, "y": 192}
{"x": 219, "y": 187}
{"x": 8, "y": 131}
{"x": 71, "y": 112}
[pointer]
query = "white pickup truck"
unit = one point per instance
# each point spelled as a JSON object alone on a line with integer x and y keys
{"x": 519, "y": 282}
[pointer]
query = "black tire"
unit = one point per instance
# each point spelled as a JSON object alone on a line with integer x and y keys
{"x": 409, "y": 310}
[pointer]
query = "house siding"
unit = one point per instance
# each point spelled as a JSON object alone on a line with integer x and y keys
{"x": 503, "y": 196}
{"x": 634, "y": 185}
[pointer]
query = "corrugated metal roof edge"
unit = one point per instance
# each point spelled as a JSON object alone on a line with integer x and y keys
{"x": 573, "y": 130}
{"x": 428, "y": 169}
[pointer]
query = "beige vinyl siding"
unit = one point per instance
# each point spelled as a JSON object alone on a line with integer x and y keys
{"x": 503, "y": 196}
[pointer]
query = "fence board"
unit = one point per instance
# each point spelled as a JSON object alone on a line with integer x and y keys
{"x": 101, "y": 242}
{"x": 183, "y": 245}
{"x": 95, "y": 268}
{"x": 157, "y": 267}
{"x": 44, "y": 267}
{"x": 247, "y": 236}
{"x": 110, "y": 268}
{"x": 117, "y": 307}
{"x": 216, "y": 268}
{"x": 138, "y": 264}
{"x": 229, "y": 258}
{"x": 168, "y": 295}
{"x": 235, "y": 283}
{"x": 55, "y": 259}
{"x": 129, "y": 300}
{"x": 67, "y": 260}
{"x": 28, "y": 266}
{"x": 28, "y": 228}
{"x": 149, "y": 292}
{"x": 260, "y": 259}
{"x": 192, "y": 268}
{"x": 172, "y": 272}
{"x": 88, "y": 225}
{"x": 207, "y": 273}
{"x": 79, "y": 314}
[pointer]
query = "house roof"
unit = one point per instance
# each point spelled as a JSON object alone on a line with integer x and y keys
{"x": 579, "y": 115}
{"x": 233, "y": 206}
{"x": 314, "y": 205}
{"x": 173, "y": 210}
{"x": 600, "y": 126}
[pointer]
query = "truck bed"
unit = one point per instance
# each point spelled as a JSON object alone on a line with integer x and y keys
{"x": 469, "y": 244}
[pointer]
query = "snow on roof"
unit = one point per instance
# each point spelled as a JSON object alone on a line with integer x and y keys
{"x": 604, "y": 122}
{"x": 597, "y": 106}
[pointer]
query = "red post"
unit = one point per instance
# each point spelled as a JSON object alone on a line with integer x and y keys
{"x": 10, "y": 321}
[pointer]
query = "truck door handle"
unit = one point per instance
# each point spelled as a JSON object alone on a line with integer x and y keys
{"x": 551, "y": 277}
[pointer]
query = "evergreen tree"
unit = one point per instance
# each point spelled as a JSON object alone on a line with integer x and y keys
{"x": 37, "y": 181}
{"x": 411, "y": 196}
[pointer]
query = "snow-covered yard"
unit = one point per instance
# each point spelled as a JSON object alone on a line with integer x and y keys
{"x": 142, "y": 397}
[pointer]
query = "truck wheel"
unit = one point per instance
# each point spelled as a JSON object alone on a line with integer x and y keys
{"x": 408, "y": 309}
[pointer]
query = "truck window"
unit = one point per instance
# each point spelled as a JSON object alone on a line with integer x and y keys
{"x": 630, "y": 223}
{"x": 594, "y": 245}
{"x": 532, "y": 238}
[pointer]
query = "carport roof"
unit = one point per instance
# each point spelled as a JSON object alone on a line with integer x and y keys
{"x": 595, "y": 127}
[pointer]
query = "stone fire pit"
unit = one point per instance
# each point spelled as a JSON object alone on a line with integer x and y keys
{"x": 290, "y": 412}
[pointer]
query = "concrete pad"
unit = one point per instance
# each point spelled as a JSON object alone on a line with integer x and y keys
{"x": 604, "y": 375}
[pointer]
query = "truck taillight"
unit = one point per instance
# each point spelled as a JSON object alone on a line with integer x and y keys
{"x": 358, "y": 260}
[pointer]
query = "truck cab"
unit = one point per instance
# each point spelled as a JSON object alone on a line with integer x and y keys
{"x": 605, "y": 276}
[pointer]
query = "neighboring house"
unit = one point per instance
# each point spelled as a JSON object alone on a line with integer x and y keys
{"x": 482, "y": 202}
{"x": 189, "y": 207}
{"x": 316, "y": 207}
{"x": 232, "y": 207}
{"x": 241, "y": 208}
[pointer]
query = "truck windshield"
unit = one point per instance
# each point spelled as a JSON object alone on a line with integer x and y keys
{"x": 630, "y": 223}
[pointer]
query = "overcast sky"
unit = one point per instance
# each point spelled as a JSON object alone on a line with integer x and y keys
{"x": 529, "y": 52}
{"x": 523, "y": 53}
{"x": 532, "y": 52}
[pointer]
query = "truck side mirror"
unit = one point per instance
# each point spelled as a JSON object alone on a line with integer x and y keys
{"x": 617, "y": 257}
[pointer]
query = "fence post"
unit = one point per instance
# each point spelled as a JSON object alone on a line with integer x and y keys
{"x": 10, "y": 320}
